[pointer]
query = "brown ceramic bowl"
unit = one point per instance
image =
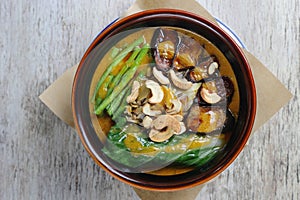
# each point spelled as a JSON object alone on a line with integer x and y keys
{"x": 155, "y": 18}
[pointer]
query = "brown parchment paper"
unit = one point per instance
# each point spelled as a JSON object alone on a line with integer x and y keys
{"x": 58, "y": 95}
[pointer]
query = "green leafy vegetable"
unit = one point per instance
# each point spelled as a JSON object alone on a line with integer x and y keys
{"x": 195, "y": 157}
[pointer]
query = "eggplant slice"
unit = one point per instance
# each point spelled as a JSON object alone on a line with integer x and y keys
{"x": 229, "y": 122}
{"x": 216, "y": 91}
{"x": 209, "y": 119}
{"x": 229, "y": 87}
{"x": 164, "y": 43}
{"x": 189, "y": 51}
{"x": 204, "y": 70}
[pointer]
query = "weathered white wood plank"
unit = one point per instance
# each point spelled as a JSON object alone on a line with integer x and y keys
{"x": 42, "y": 158}
{"x": 269, "y": 166}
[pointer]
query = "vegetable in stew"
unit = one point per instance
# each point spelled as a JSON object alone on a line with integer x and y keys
{"x": 166, "y": 98}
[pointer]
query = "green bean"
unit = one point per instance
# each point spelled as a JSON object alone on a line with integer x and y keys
{"x": 97, "y": 102}
{"x": 114, "y": 52}
{"x": 115, "y": 80}
{"x": 117, "y": 113}
{"x": 113, "y": 106}
{"x": 121, "y": 108}
{"x": 106, "y": 86}
{"x": 115, "y": 62}
{"x": 128, "y": 63}
{"x": 125, "y": 79}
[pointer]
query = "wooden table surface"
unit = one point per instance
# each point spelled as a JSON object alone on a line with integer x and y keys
{"x": 43, "y": 158}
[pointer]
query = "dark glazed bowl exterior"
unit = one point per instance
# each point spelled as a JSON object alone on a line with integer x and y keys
{"x": 189, "y": 21}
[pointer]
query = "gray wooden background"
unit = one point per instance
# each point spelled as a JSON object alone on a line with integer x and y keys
{"x": 42, "y": 158}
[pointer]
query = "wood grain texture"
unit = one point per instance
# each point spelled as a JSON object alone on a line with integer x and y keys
{"x": 42, "y": 158}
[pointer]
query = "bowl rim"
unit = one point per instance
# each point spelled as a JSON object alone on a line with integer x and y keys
{"x": 236, "y": 47}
